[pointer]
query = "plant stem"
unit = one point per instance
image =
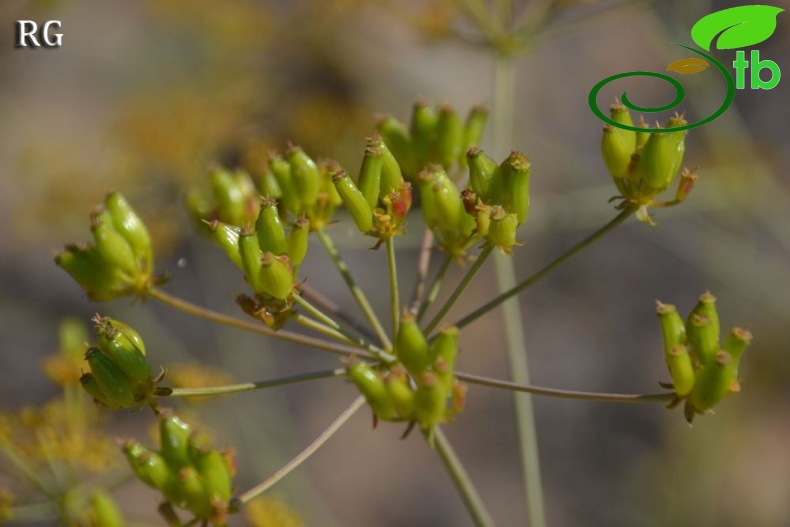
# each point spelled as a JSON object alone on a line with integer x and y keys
{"x": 259, "y": 489}
{"x": 393, "y": 275}
{"x": 329, "y": 322}
{"x": 463, "y": 482}
{"x": 220, "y": 318}
{"x": 247, "y": 386}
{"x": 459, "y": 290}
{"x": 535, "y": 278}
{"x": 567, "y": 394}
{"x": 356, "y": 292}
{"x": 504, "y": 88}
{"x": 423, "y": 266}
{"x": 317, "y": 298}
{"x": 436, "y": 285}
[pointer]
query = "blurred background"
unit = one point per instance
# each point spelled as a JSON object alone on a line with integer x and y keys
{"x": 143, "y": 96}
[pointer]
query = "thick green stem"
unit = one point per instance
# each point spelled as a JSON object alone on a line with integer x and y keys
{"x": 535, "y": 278}
{"x": 567, "y": 394}
{"x": 504, "y": 88}
{"x": 463, "y": 482}
{"x": 459, "y": 290}
{"x": 393, "y": 274}
{"x": 436, "y": 285}
{"x": 248, "y": 386}
{"x": 226, "y": 320}
{"x": 259, "y": 489}
{"x": 356, "y": 292}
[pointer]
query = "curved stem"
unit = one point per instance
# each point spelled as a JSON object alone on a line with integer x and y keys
{"x": 393, "y": 275}
{"x": 459, "y": 290}
{"x": 535, "y": 278}
{"x": 220, "y": 318}
{"x": 567, "y": 394}
{"x": 463, "y": 482}
{"x": 436, "y": 285}
{"x": 259, "y": 489}
{"x": 248, "y": 386}
{"x": 356, "y": 292}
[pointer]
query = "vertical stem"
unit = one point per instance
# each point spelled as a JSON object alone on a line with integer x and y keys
{"x": 436, "y": 285}
{"x": 504, "y": 87}
{"x": 356, "y": 292}
{"x": 423, "y": 265}
{"x": 463, "y": 483}
{"x": 393, "y": 272}
{"x": 458, "y": 290}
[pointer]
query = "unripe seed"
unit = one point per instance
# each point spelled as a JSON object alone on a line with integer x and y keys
{"x": 735, "y": 344}
{"x": 411, "y": 346}
{"x": 126, "y": 221}
{"x": 370, "y": 172}
{"x": 445, "y": 351}
{"x": 398, "y": 151}
{"x": 354, "y": 201}
{"x": 174, "y": 440}
{"x": 90, "y": 385}
{"x": 90, "y": 271}
{"x": 269, "y": 228}
{"x": 449, "y": 137}
{"x": 391, "y": 174}
{"x": 123, "y": 350}
{"x": 150, "y": 467}
{"x": 502, "y": 231}
{"x": 370, "y": 384}
{"x": 430, "y": 401}
{"x": 516, "y": 171}
{"x": 474, "y": 126}
{"x": 227, "y": 236}
{"x": 681, "y": 369}
{"x": 715, "y": 381}
{"x": 104, "y": 511}
{"x": 298, "y": 241}
{"x": 484, "y": 177}
{"x": 702, "y": 337}
{"x": 250, "y": 252}
{"x": 276, "y": 277}
{"x": 673, "y": 328}
{"x": 449, "y": 205}
{"x": 190, "y": 493}
{"x": 112, "y": 381}
{"x": 423, "y": 129}
{"x": 112, "y": 247}
{"x": 305, "y": 175}
{"x": 230, "y": 196}
{"x": 217, "y": 480}
{"x": 617, "y": 146}
{"x": 283, "y": 174}
{"x": 400, "y": 393}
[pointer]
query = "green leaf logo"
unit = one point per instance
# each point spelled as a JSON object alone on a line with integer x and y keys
{"x": 739, "y": 27}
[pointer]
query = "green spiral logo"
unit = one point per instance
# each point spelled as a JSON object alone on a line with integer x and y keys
{"x": 680, "y": 94}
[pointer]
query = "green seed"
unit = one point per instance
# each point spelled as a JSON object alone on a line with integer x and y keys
{"x": 516, "y": 170}
{"x": 672, "y": 327}
{"x": 715, "y": 381}
{"x": 250, "y": 252}
{"x": 474, "y": 126}
{"x": 227, "y": 236}
{"x": 150, "y": 467}
{"x": 502, "y": 231}
{"x": 304, "y": 173}
{"x": 270, "y": 230}
{"x": 112, "y": 247}
{"x": 104, "y": 511}
{"x": 282, "y": 172}
{"x": 681, "y": 370}
{"x": 298, "y": 241}
{"x": 400, "y": 393}
{"x": 398, "y": 151}
{"x": 126, "y": 221}
{"x": 445, "y": 351}
{"x": 484, "y": 176}
{"x": 230, "y": 196}
{"x": 89, "y": 270}
{"x": 449, "y": 137}
{"x": 370, "y": 384}
{"x": 174, "y": 441}
{"x": 120, "y": 345}
{"x": 214, "y": 472}
{"x": 423, "y": 130}
{"x": 112, "y": 381}
{"x": 411, "y": 346}
{"x": 430, "y": 401}
{"x": 370, "y": 172}
{"x": 354, "y": 201}
{"x": 276, "y": 276}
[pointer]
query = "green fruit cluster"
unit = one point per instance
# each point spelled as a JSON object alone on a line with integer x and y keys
{"x": 188, "y": 473}
{"x": 703, "y": 369}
